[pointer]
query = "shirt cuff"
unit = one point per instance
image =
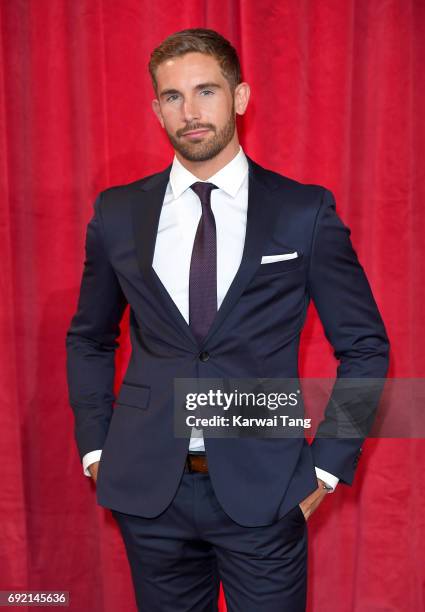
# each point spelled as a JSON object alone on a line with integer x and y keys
{"x": 327, "y": 478}
{"x": 90, "y": 458}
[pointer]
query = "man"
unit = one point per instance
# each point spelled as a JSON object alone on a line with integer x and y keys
{"x": 217, "y": 258}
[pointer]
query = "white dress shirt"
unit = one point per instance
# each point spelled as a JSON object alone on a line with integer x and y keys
{"x": 179, "y": 219}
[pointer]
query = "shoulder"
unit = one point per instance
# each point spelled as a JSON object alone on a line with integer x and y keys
{"x": 300, "y": 193}
{"x": 117, "y": 191}
{"x": 120, "y": 197}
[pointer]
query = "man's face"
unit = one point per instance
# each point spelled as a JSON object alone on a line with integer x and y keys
{"x": 194, "y": 95}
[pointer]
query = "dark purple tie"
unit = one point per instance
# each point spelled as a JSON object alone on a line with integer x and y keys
{"x": 203, "y": 267}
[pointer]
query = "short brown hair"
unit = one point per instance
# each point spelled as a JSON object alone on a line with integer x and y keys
{"x": 198, "y": 40}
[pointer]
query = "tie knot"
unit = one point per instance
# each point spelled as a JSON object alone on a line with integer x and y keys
{"x": 203, "y": 190}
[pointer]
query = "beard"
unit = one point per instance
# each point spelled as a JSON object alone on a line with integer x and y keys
{"x": 206, "y": 147}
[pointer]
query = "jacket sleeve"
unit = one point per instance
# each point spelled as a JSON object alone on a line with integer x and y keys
{"x": 91, "y": 341}
{"x": 354, "y": 327}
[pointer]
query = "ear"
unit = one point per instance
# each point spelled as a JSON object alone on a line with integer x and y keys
{"x": 242, "y": 93}
{"x": 157, "y": 110}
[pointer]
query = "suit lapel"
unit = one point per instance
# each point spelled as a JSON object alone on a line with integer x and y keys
{"x": 146, "y": 215}
{"x": 262, "y": 210}
{"x": 260, "y": 214}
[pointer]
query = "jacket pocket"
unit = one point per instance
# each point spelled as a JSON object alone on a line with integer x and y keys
{"x": 285, "y": 265}
{"x": 137, "y": 396}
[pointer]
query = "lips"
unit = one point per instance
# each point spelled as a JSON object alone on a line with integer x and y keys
{"x": 196, "y": 133}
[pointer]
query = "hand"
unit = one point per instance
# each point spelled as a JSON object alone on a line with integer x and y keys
{"x": 310, "y": 503}
{"x": 93, "y": 467}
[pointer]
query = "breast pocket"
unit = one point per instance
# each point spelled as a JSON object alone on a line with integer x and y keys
{"x": 137, "y": 396}
{"x": 281, "y": 266}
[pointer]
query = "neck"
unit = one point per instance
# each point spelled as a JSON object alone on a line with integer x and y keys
{"x": 204, "y": 169}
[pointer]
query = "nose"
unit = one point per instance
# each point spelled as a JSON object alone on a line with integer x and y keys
{"x": 190, "y": 110}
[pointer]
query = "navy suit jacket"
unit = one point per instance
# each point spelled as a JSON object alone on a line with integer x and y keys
{"x": 255, "y": 334}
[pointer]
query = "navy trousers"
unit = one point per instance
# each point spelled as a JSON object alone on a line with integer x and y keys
{"x": 178, "y": 558}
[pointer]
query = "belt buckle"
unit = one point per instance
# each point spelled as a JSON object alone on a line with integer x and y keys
{"x": 189, "y": 463}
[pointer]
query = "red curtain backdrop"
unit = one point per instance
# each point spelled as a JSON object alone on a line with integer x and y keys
{"x": 337, "y": 99}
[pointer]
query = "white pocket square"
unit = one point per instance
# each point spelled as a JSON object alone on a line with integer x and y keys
{"x": 271, "y": 258}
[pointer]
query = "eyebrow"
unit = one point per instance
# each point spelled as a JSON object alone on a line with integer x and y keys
{"x": 210, "y": 85}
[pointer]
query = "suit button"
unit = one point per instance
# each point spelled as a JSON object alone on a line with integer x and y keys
{"x": 204, "y": 356}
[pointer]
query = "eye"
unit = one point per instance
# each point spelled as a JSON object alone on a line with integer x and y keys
{"x": 208, "y": 91}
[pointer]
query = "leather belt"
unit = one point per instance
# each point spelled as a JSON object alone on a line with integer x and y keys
{"x": 196, "y": 463}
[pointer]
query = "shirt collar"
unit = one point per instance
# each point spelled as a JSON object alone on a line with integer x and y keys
{"x": 229, "y": 178}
